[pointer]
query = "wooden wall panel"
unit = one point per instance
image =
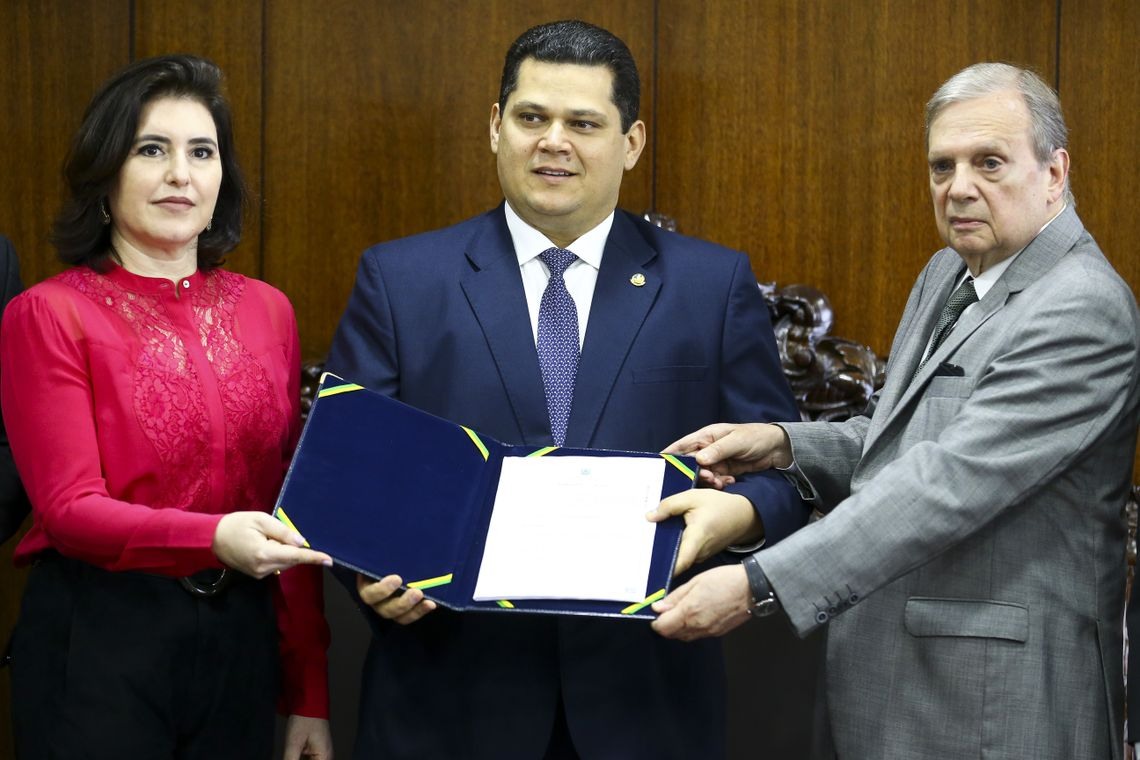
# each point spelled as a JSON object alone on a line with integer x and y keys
{"x": 793, "y": 130}
{"x": 1100, "y": 92}
{"x": 56, "y": 53}
{"x": 163, "y": 27}
{"x": 376, "y": 127}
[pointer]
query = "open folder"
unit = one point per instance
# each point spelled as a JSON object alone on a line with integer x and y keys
{"x": 385, "y": 488}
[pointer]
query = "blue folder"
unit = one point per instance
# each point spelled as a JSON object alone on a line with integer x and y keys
{"x": 385, "y": 488}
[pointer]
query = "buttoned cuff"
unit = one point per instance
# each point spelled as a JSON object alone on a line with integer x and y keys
{"x": 794, "y": 475}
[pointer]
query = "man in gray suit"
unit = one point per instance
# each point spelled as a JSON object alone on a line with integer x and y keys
{"x": 970, "y": 566}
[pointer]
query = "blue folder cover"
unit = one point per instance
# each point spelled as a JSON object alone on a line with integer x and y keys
{"x": 385, "y": 488}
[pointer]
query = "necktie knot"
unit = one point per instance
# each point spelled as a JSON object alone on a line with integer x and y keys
{"x": 557, "y": 260}
{"x": 959, "y": 300}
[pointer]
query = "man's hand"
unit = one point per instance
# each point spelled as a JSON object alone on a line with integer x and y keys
{"x": 307, "y": 738}
{"x": 713, "y": 521}
{"x": 256, "y": 544}
{"x": 711, "y": 604}
{"x": 724, "y": 450}
{"x": 386, "y": 599}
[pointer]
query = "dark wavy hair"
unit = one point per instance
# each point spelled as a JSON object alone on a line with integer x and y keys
{"x": 583, "y": 44}
{"x": 104, "y": 141}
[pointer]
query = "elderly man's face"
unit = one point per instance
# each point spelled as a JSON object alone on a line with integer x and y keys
{"x": 991, "y": 195}
{"x": 560, "y": 149}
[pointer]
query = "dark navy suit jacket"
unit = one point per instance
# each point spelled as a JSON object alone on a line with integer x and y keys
{"x": 13, "y": 503}
{"x": 440, "y": 321}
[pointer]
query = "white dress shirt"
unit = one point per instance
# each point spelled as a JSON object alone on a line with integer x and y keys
{"x": 580, "y": 277}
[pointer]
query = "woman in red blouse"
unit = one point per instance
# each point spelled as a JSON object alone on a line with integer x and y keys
{"x": 152, "y": 404}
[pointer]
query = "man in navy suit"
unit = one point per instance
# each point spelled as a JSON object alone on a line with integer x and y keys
{"x": 673, "y": 334}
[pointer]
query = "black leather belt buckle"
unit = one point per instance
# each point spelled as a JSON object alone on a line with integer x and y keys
{"x": 207, "y": 582}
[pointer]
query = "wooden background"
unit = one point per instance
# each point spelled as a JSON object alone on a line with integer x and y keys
{"x": 791, "y": 130}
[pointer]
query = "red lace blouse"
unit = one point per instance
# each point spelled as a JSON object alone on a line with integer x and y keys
{"x": 140, "y": 412}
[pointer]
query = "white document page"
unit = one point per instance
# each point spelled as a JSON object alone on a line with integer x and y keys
{"x": 571, "y": 528}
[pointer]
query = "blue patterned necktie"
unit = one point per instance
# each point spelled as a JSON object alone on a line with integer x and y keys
{"x": 955, "y": 305}
{"x": 558, "y": 342}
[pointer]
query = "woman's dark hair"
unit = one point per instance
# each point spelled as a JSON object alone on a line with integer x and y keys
{"x": 104, "y": 141}
{"x": 580, "y": 43}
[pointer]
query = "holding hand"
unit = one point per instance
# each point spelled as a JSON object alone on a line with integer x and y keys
{"x": 307, "y": 738}
{"x": 713, "y": 521}
{"x": 391, "y": 603}
{"x": 256, "y": 544}
{"x": 711, "y": 604}
{"x": 724, "y": 450}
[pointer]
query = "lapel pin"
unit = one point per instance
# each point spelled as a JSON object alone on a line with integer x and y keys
{"x": 638, "y": 280}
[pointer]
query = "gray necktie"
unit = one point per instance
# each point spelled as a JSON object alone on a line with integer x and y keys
{"x": 955, "y": 305}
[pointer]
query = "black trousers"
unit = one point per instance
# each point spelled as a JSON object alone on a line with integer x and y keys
{"x": 129, "y": 665}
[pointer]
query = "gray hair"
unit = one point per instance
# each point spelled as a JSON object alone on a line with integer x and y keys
{"x": 1047, "y": 124}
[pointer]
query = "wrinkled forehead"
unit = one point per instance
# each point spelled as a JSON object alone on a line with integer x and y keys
{"x": 1000, "y": 116}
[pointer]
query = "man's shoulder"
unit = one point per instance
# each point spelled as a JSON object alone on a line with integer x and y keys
{"x": 440, "y": 242}
{"x": 1073, "y": 268}
{"x": 677, "y": 255}
{"x": 1085, "y": 274}
{"x": 672, "y": 243}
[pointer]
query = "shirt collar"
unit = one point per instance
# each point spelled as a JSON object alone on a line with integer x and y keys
{"x": 139, "y": 283}
{"x": 529, "y": 242}
{"x": 986, "y": 280}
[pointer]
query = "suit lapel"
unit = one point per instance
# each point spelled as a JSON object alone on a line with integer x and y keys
{"x": 494, "y": 289}
{"x": 619, "y": 308}
{"x": 986, "y": 308}
{"x": 1041, "y": 255}
{"x": 918, "y": 325}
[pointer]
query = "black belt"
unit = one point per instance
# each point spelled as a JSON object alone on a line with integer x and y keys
{"x": 204, "y": 583}
{"x": 208, "y": 582}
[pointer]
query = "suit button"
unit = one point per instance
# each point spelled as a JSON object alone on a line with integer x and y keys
{"x": 853, "y": 598}
{"x": 821, "y": 617}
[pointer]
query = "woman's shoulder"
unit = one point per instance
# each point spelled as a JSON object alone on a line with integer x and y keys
{"x": 62, "y": 305}
{"x": 250, "y": 286}
{"x": 252, "y": 292}
{"x": 65, "y": 287}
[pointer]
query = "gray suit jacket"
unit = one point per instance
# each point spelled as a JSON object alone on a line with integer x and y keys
{"x": 973, "y": 555}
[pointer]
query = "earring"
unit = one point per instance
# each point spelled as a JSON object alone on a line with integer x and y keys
{"x": 103, "y": 211}
{"x": 209, "y": 225}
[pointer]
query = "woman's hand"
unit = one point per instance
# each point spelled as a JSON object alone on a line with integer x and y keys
{"x": 256, "y": 544}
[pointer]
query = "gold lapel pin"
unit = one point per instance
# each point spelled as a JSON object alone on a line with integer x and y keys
{"x": 638, "y": 280}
